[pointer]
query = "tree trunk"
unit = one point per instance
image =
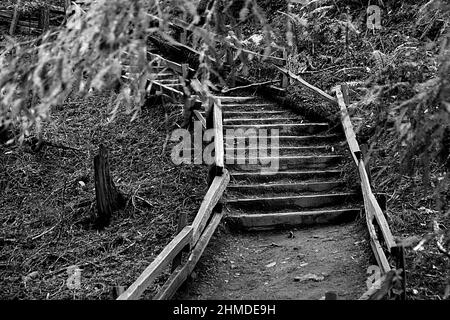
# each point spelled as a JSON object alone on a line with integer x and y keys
{"x": 107, "y": 196}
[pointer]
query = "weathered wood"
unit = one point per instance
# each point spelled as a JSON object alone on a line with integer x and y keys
{"x": 381, "y": 288}
{"x": 218, "y": 138}
{"x": 178, "y": 277}
{"x": 44, "y": 18}
{"x": 373, "y": 208}
{"x": 170, "y": 64}
{"x": 268, "y": 221}
{"x": 187, "y": 112}
{"x": 182, "y": 222}
{"x": 167, "y": 89}
{"x": 210, "y": 200}
{"x": 12, "y": 28}
{"x": 200, "y": 117}
{"x": 309, "y": 86}
{"x": 364, "y": 151}
{"x": 347, "y": 126}
{"x": 108, "y": 198}
{"x": 284, "y": 79}
{"x": 250, "y": 86}
{"x": 233, "y": 99}
{"x": 147, "y": 277}
{"x": 400, "y": 264}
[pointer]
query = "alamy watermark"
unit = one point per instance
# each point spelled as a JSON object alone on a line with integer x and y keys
{"x": 242, "y": 147}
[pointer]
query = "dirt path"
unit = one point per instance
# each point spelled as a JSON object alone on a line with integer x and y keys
{"x": 269, "y": 265}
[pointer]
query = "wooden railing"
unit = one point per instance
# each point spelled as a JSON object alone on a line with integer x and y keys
{"x": 234, "y": 56}
{"x": 373, "y": 212}
{"x": 195, "y": 237}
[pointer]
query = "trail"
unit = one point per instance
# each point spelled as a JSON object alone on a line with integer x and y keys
{"x": 290, "y": 234}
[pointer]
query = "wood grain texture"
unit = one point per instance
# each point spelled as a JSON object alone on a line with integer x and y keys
{"x": 147, "y": 277}
{"x": 218, "y": 137}
{"x": 180, "y": 275}
{"x": 210, "y": 200}
{"x": 319, "y": 92}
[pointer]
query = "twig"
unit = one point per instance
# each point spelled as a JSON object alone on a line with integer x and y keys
{"x": 44, "y": 233}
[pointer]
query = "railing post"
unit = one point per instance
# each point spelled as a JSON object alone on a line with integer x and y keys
{"x": 15, "y": 18}
{"x": 285, "y": 78}
{"x": 44, "y": 18}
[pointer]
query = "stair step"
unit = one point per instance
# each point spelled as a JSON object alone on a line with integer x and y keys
{"x": 270, "y": 221}
{"x": 282, "y": 150}
{"x": 231, "y": 99}
{"x": 283, "y": 128}
{"x": 261, "y": 121}
{"x": 292, "y": 202}
{"x": 165, "y": 75}
{"x": 285, "y": 187}
{"x": 291, "y": 175}
{"x": 283, "y": 163}
{"x": 169, "y": 81}
{"x": 243, "y": 140}
{"x": 248, "y": 107}
{"x": 253, "y": 114}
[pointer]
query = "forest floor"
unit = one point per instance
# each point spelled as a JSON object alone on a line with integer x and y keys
{"x": 302, "y": 265}
{"x": 47, "y": 201}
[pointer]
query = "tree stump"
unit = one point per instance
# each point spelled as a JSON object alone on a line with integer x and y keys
{"x": 108, "y": 198}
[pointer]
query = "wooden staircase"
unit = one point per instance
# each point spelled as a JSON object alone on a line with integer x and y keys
{"x": 306, "y": 189}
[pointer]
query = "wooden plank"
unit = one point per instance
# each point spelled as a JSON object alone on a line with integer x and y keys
{"x": 218, "y": 136}
{"x": 15, "y": 18}
{"x": 166, "y": 256}
{"x": 285, "y": 79}
{"x": 177, "y": 278}
{"x": 210, "y": 200}
{"x": 201, "y": 118}
{"x": 347, "y": 126}
{"x": 381, "y": 288}
{"x": 168, "y": 88}
{"x": 373, "y": 208}
{"x": 233, "y": 99}
{"x": 170, "y": 64}
{"x": 309, "y": 86}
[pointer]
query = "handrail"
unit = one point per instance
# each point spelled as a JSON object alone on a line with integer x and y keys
{"x": 319, "y": 92}
{"x": 197, "y": 235}
{"x": 218, "y": 137}
{"x": 373, "y": 211}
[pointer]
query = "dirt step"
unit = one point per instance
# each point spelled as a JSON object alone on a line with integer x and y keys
{"x": 283, "y": 163}
{"x": 282, "y": 150}
{"x": 286, "y": 187}
{"x": 284, "y": 220}
{"x": 285, "y": 140}
{"x": 261, "y": 121}
{"x": 292, "y": 202}
{"x": 291, "y": 175}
